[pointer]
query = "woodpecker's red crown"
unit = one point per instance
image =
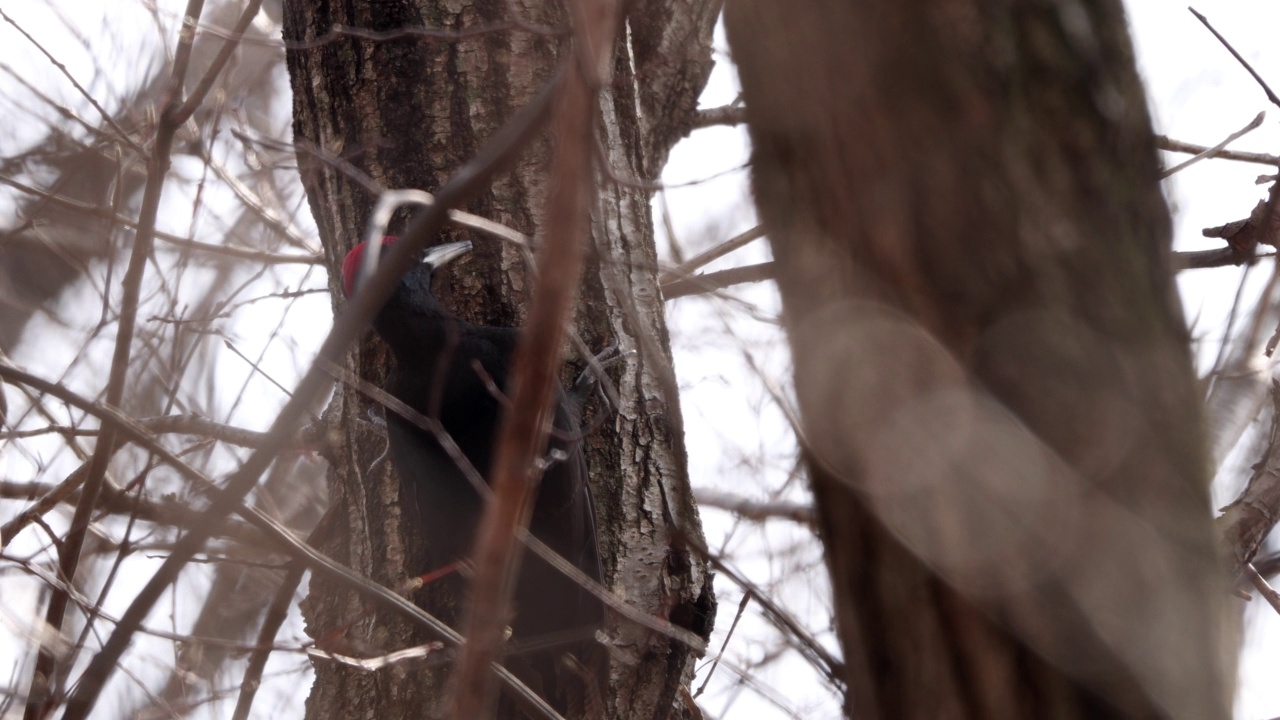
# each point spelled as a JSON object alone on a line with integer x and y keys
{"x": 351, "y": 265}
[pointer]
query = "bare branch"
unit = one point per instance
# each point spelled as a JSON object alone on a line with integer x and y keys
{"x": 107, "y": 213}
{"x": 752, "y": 510}
{"x": 377, "y": 663}
{"x": 121, "y": 135}
{"x": 730, "y": 115}
{"x": 1252, "y": 515}
{"x": 712, "y": 281}
{"x": 283, "y": 537}
{"x": 1166, "y": 143}
{"x": 1258, "y": 78}
{"x": 522, "y": 435}
{"x": 1214, "y": 151}
{"x": 810, "y": 649}
{"x": 688, "y": 267}
{"x": 467, "y": 182}
{"x": 184, "y": 112}
{"x": 1264, "y": 589}
{"x": 40, "y": 703}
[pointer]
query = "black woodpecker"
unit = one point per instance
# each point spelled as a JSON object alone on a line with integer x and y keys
{"x": 446, "y": 369}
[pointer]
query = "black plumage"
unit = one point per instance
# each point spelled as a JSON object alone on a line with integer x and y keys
{"x": 445, "y": 368}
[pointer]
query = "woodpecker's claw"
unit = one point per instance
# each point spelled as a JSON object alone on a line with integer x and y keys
{"x": 379, "y": 421}
{"x": 592, "y": 377}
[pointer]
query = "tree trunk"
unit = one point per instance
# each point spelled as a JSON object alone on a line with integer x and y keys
{"x": 1001, "y": 420}
{"x": 404, "y": 111}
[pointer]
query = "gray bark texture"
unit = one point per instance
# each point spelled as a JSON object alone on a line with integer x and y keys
{"x": 404, "y": 110}
{"x": 1000, "y": 415}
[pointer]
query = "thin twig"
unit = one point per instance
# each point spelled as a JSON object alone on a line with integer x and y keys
{"x": 67, "y": 490}
{"x": 1166, "y": 143}
{"x": 1264, "y": 589}
{"x": 619, "y": 605}
{"x": 252, "y": 200}
{"x": 274, "y": 618}
{"x": 102, "y": 112}
{"x": 809, "y": 648}
{"x": 466, "y": 183}
{"x": 1265, "y": 88}
{"x": 713, "y": 281}
{"x": 425, "y": 423}
{"x": 113, "y": 500}
{"x": 1217, "y": 149}
{"x": 196, "y": 98}
{"x": 89, "y": 608}
{"x": 796, "y": 512}
{"x": 41, "y": 704}
{"x": 107, "y": 213}
{"x": 280, "y": 535}
{"x": 255, "y": 366}
{"x": 742, "y": 608}
{"x": 57, "y": 495}
{"x": 339, "y": 32}
{"x": 697, "y": 262}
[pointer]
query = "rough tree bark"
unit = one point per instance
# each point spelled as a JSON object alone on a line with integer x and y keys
{"x": 1000, "y": 418}
{"x": 403, "y": 110}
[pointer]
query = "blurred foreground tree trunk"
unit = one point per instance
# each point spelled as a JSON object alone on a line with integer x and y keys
{"x": 384, "y": 105}
{"x": 1000, "y": 415}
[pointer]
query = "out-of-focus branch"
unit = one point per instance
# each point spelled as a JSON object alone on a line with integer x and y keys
{"x": 275, "y": 616}
{"x": 107, "y": 213}
{"x": 729, "y": 115}
{"x": 66, "y": 490}
{"x": 197, "y": 95}
{"x": 522, "y": 434}
{"x": 160, "y": 512}
{"x": 688, "y": 267}
{"x": 1247, "y": 521}
{"x": 465, "y": 184}
{"x": 278, "y": 534}
{"x": 432, "y": 427}
{"x": 41, "y": 698}
{"x": 753, "y": 510}
{"x": 120, "y": 133}
{"x": 712, "y": 281}
{"x": 174, "y": 424}
{"x": 204, "y": 427}
{"x": 1264, "y": 588}
{"x": 1202, "y": 259}
{"x": 56, "y": 495}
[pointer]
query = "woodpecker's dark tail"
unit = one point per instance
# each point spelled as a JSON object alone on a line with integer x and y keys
{"x": 572, "y": 677}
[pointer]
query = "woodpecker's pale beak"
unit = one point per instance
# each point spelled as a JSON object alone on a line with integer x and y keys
{"x": 441, "y": 255}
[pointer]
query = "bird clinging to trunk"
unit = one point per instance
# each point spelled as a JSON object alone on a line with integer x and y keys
{"x": 453, "y": 371}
